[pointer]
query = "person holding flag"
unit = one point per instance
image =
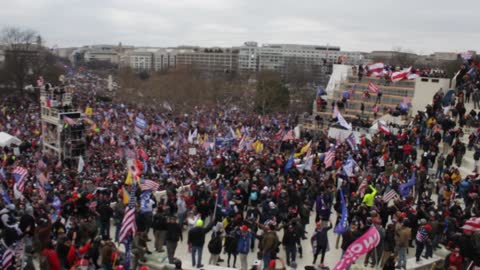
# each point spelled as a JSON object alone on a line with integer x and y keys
{"x": 319, "y": 241}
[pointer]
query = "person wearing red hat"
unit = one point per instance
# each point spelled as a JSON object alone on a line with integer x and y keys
{"x": 402, "y": 237}
{"x": 244, "y": 237}
{"x": 49, "y": 258}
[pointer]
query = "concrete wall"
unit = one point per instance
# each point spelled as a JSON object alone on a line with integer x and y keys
{"x": 425, "y": 88}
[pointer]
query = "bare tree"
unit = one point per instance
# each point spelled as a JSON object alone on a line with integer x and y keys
{"x": 21, "y": 53}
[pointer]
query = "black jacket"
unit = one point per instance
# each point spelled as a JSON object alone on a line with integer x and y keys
{"x": 196, "y": 236}
{"x": 174, "y": 232}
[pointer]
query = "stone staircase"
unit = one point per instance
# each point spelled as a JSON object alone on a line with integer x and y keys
{"x": 393, "y": 95}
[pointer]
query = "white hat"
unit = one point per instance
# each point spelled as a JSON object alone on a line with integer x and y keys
{"x": 271, "y": 204}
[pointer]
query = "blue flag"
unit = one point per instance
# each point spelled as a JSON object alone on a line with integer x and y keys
{"x": 343, "y": 223}
{"x": 5, "y": 196}
{"x": 167, "y": 159}
{"x": 144, "y": 200}
{"x": 209, "y": 162}
{"x": 405, "y": 188}
{"x": 289, "y": 164}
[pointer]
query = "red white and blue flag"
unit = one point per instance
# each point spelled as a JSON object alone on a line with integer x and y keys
{"x": 7, "y": 258}
{"x": 149, "y": 185}
{"x": 20, "y": 175}
{"x": 128, "y": 223}
{"x": 375, "y": 69}
{"x": 373, "y": 87}
{"x": 329, "y": 158}
{"x": 352, "y": 142}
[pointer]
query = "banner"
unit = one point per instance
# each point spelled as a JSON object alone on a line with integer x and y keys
{"x": 368, "y": 241}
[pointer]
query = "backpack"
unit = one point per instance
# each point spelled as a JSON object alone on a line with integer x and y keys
{"x": 253, "y": 196}
{"x": 215, "y": 245}
{"x": 43, "y": 262}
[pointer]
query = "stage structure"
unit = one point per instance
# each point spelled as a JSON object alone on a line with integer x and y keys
{"x": 63, "y": 130}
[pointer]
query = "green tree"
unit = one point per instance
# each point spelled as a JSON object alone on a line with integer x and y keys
{"x": 271, "y": 94}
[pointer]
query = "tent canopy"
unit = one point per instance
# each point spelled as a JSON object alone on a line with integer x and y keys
{"x": 7, "y": 139}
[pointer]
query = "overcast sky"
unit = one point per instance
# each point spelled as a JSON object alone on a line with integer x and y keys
{"x": 422, "y": 26}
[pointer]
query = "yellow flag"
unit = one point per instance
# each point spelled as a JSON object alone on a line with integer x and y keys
{"x": 239, "y": 134}
{"x": 88, "y": 111}
{"x": 129, "y": 179}
{"x": 126, "y": 197}
{"x": 225, "y": 222}
{"x": 258, "y": 146}
{"x": 304, "y": 149}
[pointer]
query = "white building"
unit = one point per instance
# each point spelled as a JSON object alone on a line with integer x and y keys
{"x": 166, "y": 58}
{"x": 106, "y": 53}
{"x": 253, "y": 58}
{"x": 138, "y": 59}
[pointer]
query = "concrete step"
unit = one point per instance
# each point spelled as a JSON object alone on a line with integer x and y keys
{"x": 403, "y": 83}
{"x": 423, "y": 264}
{"x": 385, "y": 88}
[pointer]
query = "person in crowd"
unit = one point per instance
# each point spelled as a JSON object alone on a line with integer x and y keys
{"x": 196, "y": 241}
{"x": 241, "y": 174}
{"x": 174, "y": 234}
{"x": 320, "y": 241}
{"x": 244, "y": 237}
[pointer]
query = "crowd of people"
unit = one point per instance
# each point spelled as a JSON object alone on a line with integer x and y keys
{"x": 248, "y": 179}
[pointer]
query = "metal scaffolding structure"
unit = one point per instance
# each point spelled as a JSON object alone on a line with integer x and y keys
{"x": 63, "y": 130}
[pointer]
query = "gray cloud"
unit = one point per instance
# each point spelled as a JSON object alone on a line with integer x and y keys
{"x": 420, "y": 26}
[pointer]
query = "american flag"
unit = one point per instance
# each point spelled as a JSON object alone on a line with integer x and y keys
{"x": 42, "y": 178}
{"x": 289, "y": 136}
{"x": 472, "y": 224}
{"x": 7, "y": 258}
{"x": 351, "y": 142}
{"x": 329, "y": 158}
{"x": 149, "y": 185}
{"x": 69, "y": 120}
{"x": 20, "y": 175}
{"x": 41, "y": 164}
{"x": 390, "y": 195}
{"x": 373, "y": 87}
{"x": 41, "y": 190}
{"x": 128, "y": 223}
{"x": 362, "y": 187}
{"x": 278, "y": 136}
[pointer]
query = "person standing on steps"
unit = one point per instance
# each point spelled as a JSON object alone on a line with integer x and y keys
{"x": 174, "y": 234}
{"x": 159, "y": 226}
{"x": 196, "y": 241}
{"x": 320, "y": 241}
{"x": 244, "y": 238}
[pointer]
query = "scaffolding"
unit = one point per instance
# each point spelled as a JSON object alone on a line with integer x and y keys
{"x": 63, "y": 130}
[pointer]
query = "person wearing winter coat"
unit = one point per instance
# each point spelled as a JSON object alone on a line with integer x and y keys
{"x": 454, "y": 259}
{"x": 389, "y": 244}
{"x": 49, "y": 258}
{"x": 230, "y": 247}
{"x": 244, "y": 238}
{"x": 402, "y": 237}
{"x": 289, "y": 241}
{"x": 159, "y": 226}
{"x": 215, "y": 244}
{"x": 196, "y": 240}
{"x": 320, "y": 241}
{"x": 174, "y": 234}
